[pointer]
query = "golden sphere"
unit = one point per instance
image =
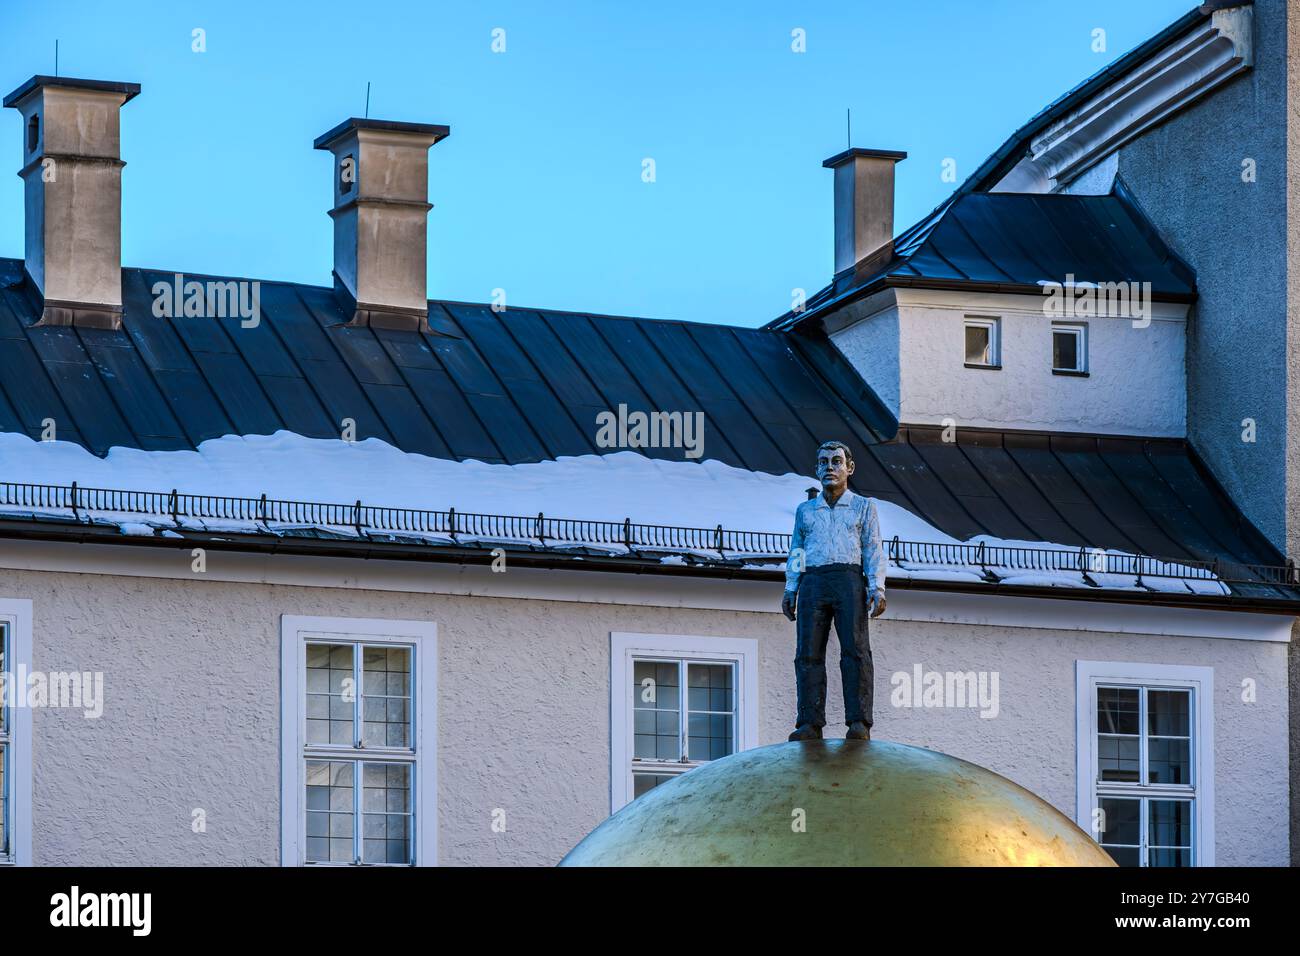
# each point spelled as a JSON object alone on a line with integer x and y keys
{"x": 838, "y": 803}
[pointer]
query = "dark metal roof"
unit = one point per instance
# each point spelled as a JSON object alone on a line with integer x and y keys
{"x": 861, "y": 279}
{"x": 1012, "y": 242}
{"x": 1014, "y": 148}
{"x": 852, "y": 151}
{"x": 1139, "y": 495}
{"x": 516, "y": 386}
{"x": 526, "y": 385}
{"x": 437, "y": 131}
{"x": 131, "y": 90}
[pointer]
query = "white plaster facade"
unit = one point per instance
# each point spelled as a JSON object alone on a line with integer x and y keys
{"x": 909, "y": 345}
{"x": 192, "y": 714}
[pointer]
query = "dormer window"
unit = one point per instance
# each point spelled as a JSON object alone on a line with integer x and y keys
{"x": 983, "y": 343}
{"x": 1070, "y": 349}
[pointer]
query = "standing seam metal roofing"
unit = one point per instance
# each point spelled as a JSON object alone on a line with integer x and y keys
{"x": 525, "y": 385}
{"x": 518, "y": 386}
{"x": 1014, "y": 242}
{"x": 997, "y": 165}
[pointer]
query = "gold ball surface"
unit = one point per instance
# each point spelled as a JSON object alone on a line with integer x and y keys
{"x": 838, "y": 803}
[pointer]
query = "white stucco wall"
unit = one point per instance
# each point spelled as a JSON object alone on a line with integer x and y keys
{"x": 871, "y": 345}
{"x": 191, "y": 718}
{"x": 1136, "y": 383}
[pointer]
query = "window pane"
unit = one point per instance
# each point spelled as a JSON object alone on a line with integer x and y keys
{"x": 645, "y": 782}
{"x": 329, "y": 811}
{"x": 1118, "y": 759}
{"x": 1121, "y": 821}
{"x": 710, "y": 722}
{"x": 978, "y": 351}
{"x": 1124, "y": 855}
{"x": 1121, "y": 829}
{"x": 1164, "y": 856}
{"x": 386, "y": 697}
{"x": 329, "y": 687}
{"x": 4, "y": 711}
{"x": 709, "y": 687}
{"x": 4, "y": 802}
{"x": 1169, "y": 713}
{"x": 711, "y": 736}
{"x": 655, "y": 685}
{"x": 1117, "y": 710}
{"x": 1169, "y": 823}
{"x": 1169, "y": 760}
{"x": 341, "y": 850}
{"x": 656, "y": 720}
{"x": 1065, "y": 350}
{"x": 668, "y": 743}
{"x": 386, "y": 813}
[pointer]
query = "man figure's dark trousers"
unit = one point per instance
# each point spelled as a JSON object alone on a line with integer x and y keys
{"x": 833, "y": 592}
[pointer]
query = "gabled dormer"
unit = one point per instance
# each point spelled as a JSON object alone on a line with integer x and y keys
{"x": 1039, "y": 312}
{"x": 985, "y": 312}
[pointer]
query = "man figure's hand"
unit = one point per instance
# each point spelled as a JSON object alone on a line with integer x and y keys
{"x": 876, "y": 603}
{"x": 788, "y": 600}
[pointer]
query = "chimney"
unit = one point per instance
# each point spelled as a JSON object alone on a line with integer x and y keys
{"x": 864, "y": 203}
{"x": 381, "y": 208}
{"x": 72, "y": 177}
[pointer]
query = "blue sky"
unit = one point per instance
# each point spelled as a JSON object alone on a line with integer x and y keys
{"x": 539, "y": 190}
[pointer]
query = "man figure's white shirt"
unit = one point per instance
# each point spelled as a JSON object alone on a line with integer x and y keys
{"x": 847, "y": 532}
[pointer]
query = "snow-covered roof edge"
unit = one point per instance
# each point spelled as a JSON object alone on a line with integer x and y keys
{"x": 705, "y": 516}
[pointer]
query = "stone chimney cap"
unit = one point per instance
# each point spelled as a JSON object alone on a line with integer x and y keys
{"x": 106, "y": 86}
{"x": 433, "y": 130}
{"x": 839, "y": 159}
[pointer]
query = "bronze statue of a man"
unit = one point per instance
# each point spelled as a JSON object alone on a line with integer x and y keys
{"x": 835, "y": 572}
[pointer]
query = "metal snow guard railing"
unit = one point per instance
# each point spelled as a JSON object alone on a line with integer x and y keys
{"x": 999, "y": 561}
{"x": 382, "y": 519}
{"x": 993, "y": 561}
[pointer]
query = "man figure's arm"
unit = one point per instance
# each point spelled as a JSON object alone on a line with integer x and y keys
{"x": 875, "y": 563}
{"x": 793, "y": 569}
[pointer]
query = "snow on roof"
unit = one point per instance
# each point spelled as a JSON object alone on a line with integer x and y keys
{"x": 527, "y": 386}
{"x": 608, "y": 488}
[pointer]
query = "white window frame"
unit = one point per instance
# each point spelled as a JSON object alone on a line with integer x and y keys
{"x": 994, "y": 325}
{"x": 1080, "y": 330}
{"x": 1200, "y": 681}
{"x": 626, "y": 647}
{"x": 296, "y": 632}
{"x": 16, "y": 618}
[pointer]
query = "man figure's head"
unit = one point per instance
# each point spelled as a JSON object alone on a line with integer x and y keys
{"x": 834, "y": 466}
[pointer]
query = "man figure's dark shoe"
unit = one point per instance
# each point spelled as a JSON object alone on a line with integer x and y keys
{"x": 806, "y": 732}
{"x": 858, "y": 730}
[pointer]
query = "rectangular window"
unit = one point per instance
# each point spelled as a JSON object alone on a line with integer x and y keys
{"x": 1146, "y": 739}
{"x": 1069, "y": 348}
{"x": 983, "y": 345}
{"x": 358, "y": 742}
{"x": 15, "y": 734}
{"x": 683, "y": 715}
{"x": 678, "y": 702}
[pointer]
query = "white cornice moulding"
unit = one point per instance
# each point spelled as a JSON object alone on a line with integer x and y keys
{"x": 634, "y": 590}
{"x": 1008, "y": 303}
{"x": 1200, "y": 61}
